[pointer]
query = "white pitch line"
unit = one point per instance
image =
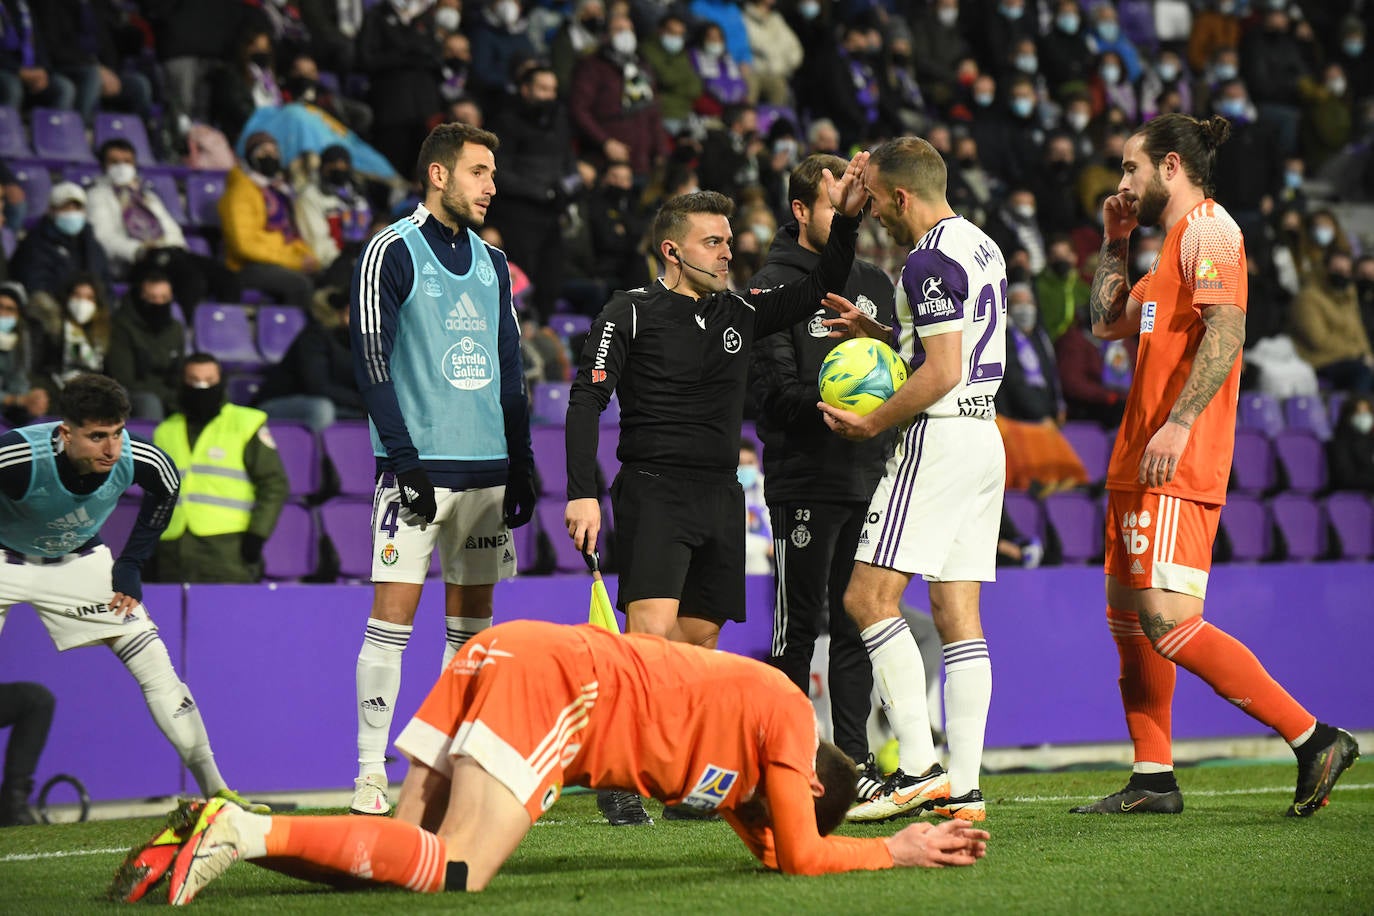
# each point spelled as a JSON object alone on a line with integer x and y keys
{"x": 59, "y": 854}
{"x": 1205, "y": 793}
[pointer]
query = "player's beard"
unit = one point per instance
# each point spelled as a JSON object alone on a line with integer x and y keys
{"x": 1152, "y": 203}
{"x": 817, "y": 236}
{"x": 459, "y": 208}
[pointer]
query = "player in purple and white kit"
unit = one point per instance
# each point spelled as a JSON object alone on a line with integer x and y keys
{"x": 937, "y": 511}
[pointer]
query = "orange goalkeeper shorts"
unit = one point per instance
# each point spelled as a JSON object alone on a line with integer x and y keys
{"x": 1157, "y": 541}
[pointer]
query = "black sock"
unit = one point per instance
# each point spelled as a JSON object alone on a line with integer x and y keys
{"x": 1154, "y": 782}
{"x": 1321, "y": 736}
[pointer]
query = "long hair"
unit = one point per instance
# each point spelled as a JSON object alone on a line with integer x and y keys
{"x": 1194, "y": 139}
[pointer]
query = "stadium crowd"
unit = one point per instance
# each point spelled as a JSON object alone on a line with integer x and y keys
{"x": 185, "y": 164}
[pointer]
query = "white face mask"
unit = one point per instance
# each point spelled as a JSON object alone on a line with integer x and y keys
{"x": 447, "y": 18}
{"x": 508, "y": 11}
{"x": 624, "y": 42}
{"x": 122, "y": 173}
{"x": 948, "y": 16}
{"x": 1025, "y": 211}
{"x": 81, "y": 310}
{"x": 1362, "y": 423}
{"x": 1078, "y": 120}
{"x": 1023, "y": 315}
{"x": 672, "y": 43}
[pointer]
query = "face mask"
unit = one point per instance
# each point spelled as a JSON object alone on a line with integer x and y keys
{"x": 763, "y": 232}
{"x": 1011, "y": 12}
{"x": 1339, "y": 283}
{"x": 154, "y": 316}
{"x": 1224, "y": 72}
{"x": 1061, "y": 267}
{"x": 1292, "y": 180}
{"x": 1144, "y": 261}
{"x": 1226, "y": 7}
{"x": 748, "y": 475}
{"x": 593, "y": 24}
{"x": 81, "y": 310}
{"x": 1352, "y": 48}
{"x": 624, "y": 43}
{"x": 673, "y": 44}
{"x": 785, "y": 147}
{"x": 1024, "y": 211}
{"x": 1362, "y": 423}
{"x": 968, "y": 162}
{"x": 1111, "y": 74}
{"x": 1167, "y": 72}
{"x": 1022, "y": 107}
{"x": 1108, "y": 31}
{"x": 948, "y": 17}
{"x": 1323, "y": 235}
{"x": 1078, "y": 120}
{"x": 982, "y": 99}
{"x": 122, "y": 173}
{"x": 456, "y": 64}
{"x": 201, "y": 403}
{"x": 266, "y": 166}
{"x": 713, "y": 49}
{"x": 1336, "y": 87}
{"x": 1023, "y": 315}
{"x": 1026, "y": 63}
{"x": 508, "y": 12}
{"x": 1232, "y": 108}
{"x": 71, "y": 222}
{"x": 447, "y": 18}
{"x": 8, "y": 323}
{"x": 262, "y": 59}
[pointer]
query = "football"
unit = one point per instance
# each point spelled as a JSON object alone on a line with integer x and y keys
{"x": 860, "y": 374}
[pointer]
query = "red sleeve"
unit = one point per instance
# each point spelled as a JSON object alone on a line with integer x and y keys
{"x": 798, "y": 847}
{"x": 1212, "y": 262}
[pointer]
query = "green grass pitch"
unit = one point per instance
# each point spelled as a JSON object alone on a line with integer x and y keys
{"x": 1229, "y": 852}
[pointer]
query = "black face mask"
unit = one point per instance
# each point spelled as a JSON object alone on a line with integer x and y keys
{"x": 456, "y": 64}
{"x": 1339, "y": 283}
{"x": 1365, "y": 287}
{"x": 539, "y": 108}
{"x": 335, "y": 178}
{"x": 154, "y": 315}
{"x": 262, "y": 59}
{"x": 593, "y": 24}
{"x": 201, "y": 404}
{"x": 1061, "y": 267}
{"x": 968, "y": 162}
{"x": 266, "y": 166}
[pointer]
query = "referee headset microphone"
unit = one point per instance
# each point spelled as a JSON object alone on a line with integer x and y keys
{"x": 681, "y": 260}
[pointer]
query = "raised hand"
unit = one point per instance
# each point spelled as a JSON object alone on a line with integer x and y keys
{"x": 1118, "y": 217}
{"x": 848, "y": 194}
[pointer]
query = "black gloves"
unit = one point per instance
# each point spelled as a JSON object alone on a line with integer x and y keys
{"x": 250, "y": 548}
{"x": 521, "y": 495}
{"x": 127, "y": 579}
{"x": 417, "y": 497}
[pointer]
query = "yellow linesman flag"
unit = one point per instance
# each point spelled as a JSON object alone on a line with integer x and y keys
{"x": 601, "y": 613}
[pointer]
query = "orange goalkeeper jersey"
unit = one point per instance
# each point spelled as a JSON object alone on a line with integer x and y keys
{"x": 710, "y": 730}
{"x": 1202, "y": 263}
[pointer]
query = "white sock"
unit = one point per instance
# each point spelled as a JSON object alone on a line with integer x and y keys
{"x": 1145, "y": 766}
{"x": 968, "y": 692}
{"x": 379, "y": 681}
{"x": 170, "y": 701}
{"x": 252, "y": 829}
{"x": 900, "y": 679}
{"x": 458, "y": 630}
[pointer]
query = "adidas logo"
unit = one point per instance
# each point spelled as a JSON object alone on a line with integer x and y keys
{"x": 411, "y": 494}
{"x": 428, "y": 270}
{"x": 464, "y": 316}
{"x": 1136, "y": 568}
{"x": 187, "y": 707}
{"x": 506, "y": 557}
{"x": 376, "y": 704}
{"x": 863, "y": 536}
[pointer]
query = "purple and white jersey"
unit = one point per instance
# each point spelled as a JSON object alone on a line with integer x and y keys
{"x": 955, "y": 279}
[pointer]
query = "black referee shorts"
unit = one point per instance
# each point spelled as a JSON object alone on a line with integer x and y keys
{"x": 680, "y": 538}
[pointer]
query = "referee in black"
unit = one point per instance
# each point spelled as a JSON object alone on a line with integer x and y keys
{"x": 816, "y": 483}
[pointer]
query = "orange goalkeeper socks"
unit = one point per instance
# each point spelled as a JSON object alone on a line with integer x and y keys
{"x": 372, "y": 848}
{"x": 1235, "y": 674}
{"x": 1147, "y": 689}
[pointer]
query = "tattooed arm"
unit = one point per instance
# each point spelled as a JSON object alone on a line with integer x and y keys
{"x": 1217, "y": 352}
{"x": 1114, "y": 313}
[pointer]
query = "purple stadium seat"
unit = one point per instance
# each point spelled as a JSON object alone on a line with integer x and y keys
{"x": 1260, "y": 411}
{"x": 1302, "y": 525}
{"x": 34, "y": 178}
{"x": 198, "y": 245}
{"x": 1307, "y": 413}
{"x": 1026, "y": 513}
{"x": 82, "y": 173}
{"x": 1247, "y": 524}
{"x": 13, "y": 143}
{"x": 550, "y": 458}
{"x": 292, "y": 550}
{"x": 549, "y": 516}
{"x": 243, "y": 388}
{"x": 348, "y": 446}
{"x": 1093, "y": 445}
{"x": 300, "y": 453}
{"x": 549, "y": 403}
{"x": 203, "y": 191}
{"x": 141, "y": 427}
{"x": 348, "y": 525}
{"x": 225, "y": 331}
{"x": 1334, "y": 401}
{"x": 1077, "y": 519}
{"x": 1253, "y": 467}
{"x": 278, "y": 326}
{"x": 1352, "y": 519}
{"x": 1304, "y": 460}
{"x": 165, "y": 184}
{"x": 568, "y": 324}
{"x": 109, "y": 125}
{"x": 768, "y": 114}
{"x": 115, "y": 531}
{"x": 526, "y": 540}
{"x": 59, "y": 135}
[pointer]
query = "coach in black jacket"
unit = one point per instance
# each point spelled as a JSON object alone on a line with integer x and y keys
{"x": 817, "y": 484}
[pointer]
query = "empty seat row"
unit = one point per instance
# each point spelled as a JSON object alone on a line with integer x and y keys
{"x": 1266, "y": 414}
{"x": 59, "y": 136}
{"x": 242, "y": 342}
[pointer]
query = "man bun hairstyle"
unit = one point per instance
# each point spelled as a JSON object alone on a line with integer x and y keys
{"x": 671, "y": 220}
{"x": 445, "y": 144}
{"x": 91, "y": 397}
{"x": 1194, "y": 139}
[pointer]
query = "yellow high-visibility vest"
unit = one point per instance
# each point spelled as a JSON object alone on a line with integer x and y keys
{"x": 216, "y": 494}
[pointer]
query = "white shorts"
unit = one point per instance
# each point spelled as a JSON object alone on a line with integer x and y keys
{"x": 71, "y": 595}
{"x": 938, "y": 509}
{"x": 475, "y": 547}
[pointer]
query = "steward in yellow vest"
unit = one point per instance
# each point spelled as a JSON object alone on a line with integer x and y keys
{"x": 233, "y": 484}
